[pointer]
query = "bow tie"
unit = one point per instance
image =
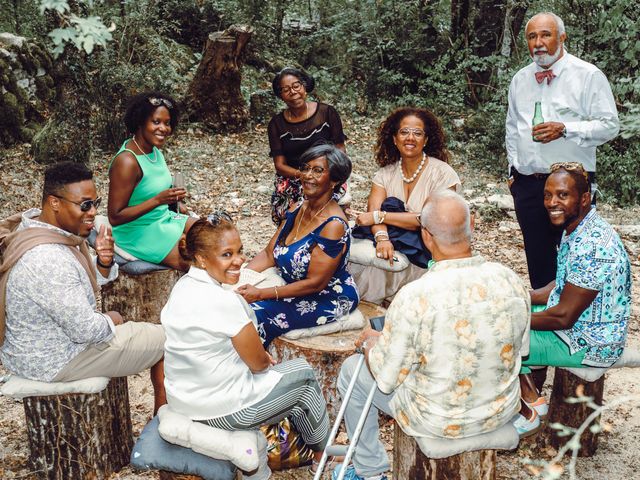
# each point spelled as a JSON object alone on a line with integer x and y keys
{"x": 548, "y": 74}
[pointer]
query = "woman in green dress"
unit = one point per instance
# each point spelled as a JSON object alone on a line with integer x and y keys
{"x": 140, "y": 189}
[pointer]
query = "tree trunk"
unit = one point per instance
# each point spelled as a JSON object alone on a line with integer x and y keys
{"x": 139, "y": 298}
{"x": 214, "y": 95}
{"x": 80, "y": 435}
{"x": 409, "y": 463}
{"x": 325, "y": 353}
{"x": 460, "y": 21}
{"x": 566, "y": 385}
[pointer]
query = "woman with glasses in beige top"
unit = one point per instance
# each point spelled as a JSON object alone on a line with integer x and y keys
{"x": 411, "y": 151}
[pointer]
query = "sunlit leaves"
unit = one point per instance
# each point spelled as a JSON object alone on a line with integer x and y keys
{"x": 85, "y": 33}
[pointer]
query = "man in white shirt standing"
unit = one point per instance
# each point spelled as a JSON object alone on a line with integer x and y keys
{"x": 579, "y": 114}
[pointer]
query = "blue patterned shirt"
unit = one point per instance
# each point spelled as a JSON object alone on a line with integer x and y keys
{"x": 593, "y": 257}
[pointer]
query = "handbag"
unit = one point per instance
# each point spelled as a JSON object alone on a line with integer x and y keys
{"x": 285, "y": 446}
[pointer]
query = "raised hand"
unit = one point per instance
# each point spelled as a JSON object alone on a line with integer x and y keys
{"x": 104, "y": 245}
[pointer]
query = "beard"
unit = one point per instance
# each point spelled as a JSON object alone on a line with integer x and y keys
{"x": 546, "y": 60}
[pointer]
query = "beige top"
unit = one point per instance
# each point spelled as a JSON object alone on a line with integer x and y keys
{"x": 437, "y": 175}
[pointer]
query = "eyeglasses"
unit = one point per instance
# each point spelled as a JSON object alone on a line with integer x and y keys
{"x": 218, "y": 216}
{"x": 417, "y": 132}
{"x": 316, "y": 172}
{"x": 295, "y": 86}
{"x": 85, "y": 205}
{"x": 570, "y": 167}
{"x": 156, "y": 102}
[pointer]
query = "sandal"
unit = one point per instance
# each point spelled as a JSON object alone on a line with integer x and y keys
{"x": 331, "y": 461}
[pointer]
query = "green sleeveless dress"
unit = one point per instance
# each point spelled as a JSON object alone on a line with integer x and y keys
{"x": 151, "y": 236}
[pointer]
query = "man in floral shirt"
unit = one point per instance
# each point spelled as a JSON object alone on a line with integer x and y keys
{"x": 589, "y": 303}
{"x": 446, "y": 364}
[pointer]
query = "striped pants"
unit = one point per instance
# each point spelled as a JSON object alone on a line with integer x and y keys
{"x": 297, "y": 396}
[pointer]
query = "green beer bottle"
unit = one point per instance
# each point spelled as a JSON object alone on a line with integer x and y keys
{"x": 537, "y": 118}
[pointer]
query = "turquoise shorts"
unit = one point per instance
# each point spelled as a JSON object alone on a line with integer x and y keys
{"x": 548, "y": 349}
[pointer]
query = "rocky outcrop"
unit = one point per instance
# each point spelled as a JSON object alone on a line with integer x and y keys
{"x": 26, "y": 88}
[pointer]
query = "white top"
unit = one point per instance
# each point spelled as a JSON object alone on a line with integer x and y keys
{"x": 204, "y": 375}
{"x": 437, "y": 175}
{"x": 579, "y": 96}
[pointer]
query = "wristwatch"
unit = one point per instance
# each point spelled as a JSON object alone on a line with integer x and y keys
{"x": 102, "y": 265}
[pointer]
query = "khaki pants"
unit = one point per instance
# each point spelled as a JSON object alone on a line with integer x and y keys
{"x": 135, "y": 346}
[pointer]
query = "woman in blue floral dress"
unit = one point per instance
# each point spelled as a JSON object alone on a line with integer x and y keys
{"x": 310, "y": 249}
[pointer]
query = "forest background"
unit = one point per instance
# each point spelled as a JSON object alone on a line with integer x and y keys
{"x": 455, "y": 57}
{"x": 63, "y": 91}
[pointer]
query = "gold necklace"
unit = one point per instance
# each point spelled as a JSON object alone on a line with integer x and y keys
{"x": 306, "y": 112}
{"x": 304, "y": 210}
{"x": 142, "y": 151}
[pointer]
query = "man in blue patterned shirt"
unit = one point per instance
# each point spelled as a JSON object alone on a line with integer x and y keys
{"x": 589, "y": 302}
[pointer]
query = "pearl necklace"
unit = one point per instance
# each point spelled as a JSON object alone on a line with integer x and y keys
{"x": 304, "y": 210}
{"x": 145, "y": 154}
{"x": 416, "y": 173}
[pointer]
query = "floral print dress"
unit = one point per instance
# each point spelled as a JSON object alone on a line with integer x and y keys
{"x": 276, "y": 317}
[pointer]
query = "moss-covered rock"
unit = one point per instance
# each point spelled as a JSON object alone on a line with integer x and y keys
{"x": 27, "y": 88}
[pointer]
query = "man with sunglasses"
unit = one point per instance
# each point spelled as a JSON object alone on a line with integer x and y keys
{"x": 589, "y": 302}
{"x": 579, "y": 114}
{"x": 50, "y": 329}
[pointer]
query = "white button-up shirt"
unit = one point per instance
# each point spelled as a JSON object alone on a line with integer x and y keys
{"x": 579, "y": 97}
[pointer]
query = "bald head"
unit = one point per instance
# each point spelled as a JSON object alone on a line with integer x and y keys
{"x": 446, "y": 217}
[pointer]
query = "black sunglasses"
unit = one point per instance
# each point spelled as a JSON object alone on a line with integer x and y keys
{"x": 85, "y": 205}
{"x": 156, "y": 102}
{"x": 218, "y": 216}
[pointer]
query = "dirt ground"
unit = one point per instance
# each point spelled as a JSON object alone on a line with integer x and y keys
{"x": 235, "y": 173}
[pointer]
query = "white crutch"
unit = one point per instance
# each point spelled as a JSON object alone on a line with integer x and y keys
{"x": 339, "y": 450}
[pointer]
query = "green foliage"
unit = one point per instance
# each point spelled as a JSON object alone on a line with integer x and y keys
{"x": 83, "y": 32}
{"x": 137, "y": 59}
{"x": 619, "y": 172}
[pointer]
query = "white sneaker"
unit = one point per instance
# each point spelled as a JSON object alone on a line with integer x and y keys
{"x": 540, "y": 405}
{"x": 527, "y": 427}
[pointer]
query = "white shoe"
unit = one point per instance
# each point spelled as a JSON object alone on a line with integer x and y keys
{"x": 527, "y": 427}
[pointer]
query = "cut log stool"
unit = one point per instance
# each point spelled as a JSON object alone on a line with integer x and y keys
{"x": 409, "y": 463}
{"x": 139, "y": 298}
{"x": 80, "y": 435}
{"x": 325, "y": 353}
{"x": 573, "y": 415}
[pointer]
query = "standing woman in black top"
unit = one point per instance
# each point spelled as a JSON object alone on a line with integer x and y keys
{"x": 294, "y": 130}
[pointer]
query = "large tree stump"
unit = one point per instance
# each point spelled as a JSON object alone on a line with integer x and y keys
{"x": 214, "y": 96}
{"x": 566, "y": 385}
{"x": 80, "y": 435}
{"x": 139, "y": 298}
{"x": 325, "y": 353}
{"x": 409, "y": 463}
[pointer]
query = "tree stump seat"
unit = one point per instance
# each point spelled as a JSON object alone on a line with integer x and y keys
{"x": 139, "y": 298}
{"x": 566, "y": 385}
{"x": 325, "y": 353}
{"x": 80, "y": 435}
{"x": 409, "y": 461}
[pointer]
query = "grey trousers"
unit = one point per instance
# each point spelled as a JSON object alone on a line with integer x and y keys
{"x": 370, "y": 457}
{"x": 297, "y": 396}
